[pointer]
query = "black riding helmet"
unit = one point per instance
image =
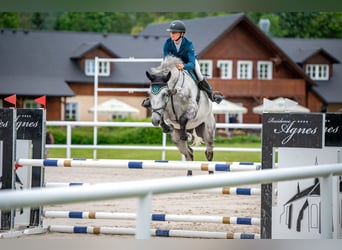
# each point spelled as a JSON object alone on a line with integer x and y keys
{"x": 176, "y": 26}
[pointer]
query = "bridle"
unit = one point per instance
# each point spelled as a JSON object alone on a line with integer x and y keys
{"x": 170, "y": 93}
{"x": 156, "y": 87}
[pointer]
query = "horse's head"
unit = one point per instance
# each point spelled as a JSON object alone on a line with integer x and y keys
{"x": 159, "y": 95}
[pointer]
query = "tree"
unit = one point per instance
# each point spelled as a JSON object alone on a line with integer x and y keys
{"x": 116, "y": 22}
{"x": 9, "y": 20}
{"x": 311, "y": 24}
{"x": 38, "y": 20}
{"x": 283, "y": 24}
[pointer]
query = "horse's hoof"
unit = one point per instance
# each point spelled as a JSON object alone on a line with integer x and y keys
{"x": 189, "y": 173}
{"x": 211, "y": 172}
{"x": 209, "y": 155}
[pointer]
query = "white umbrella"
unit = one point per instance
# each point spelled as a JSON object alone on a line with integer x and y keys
{"x": 115, "y": 106}
{"x": 227, "y": 107}
{"x": 279, "y": 105}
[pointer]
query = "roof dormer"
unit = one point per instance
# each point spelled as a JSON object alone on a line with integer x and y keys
{"x": 318, "y": 64}
{"x": 85, "y": 55}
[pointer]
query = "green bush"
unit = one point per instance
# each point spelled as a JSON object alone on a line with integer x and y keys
{"x": 59, "y": 134}
{"x": 239, "y": 139}
{"x": 129, "y": 135}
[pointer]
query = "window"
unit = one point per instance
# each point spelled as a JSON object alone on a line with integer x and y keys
{"x": 104, "y": 68}
{"x": 71, "y": 111}
{"x": 117, "y": 116}
{"x": 265, "y": 70}
{"x": 30, "y": 104}
{"x": 206, "y": 68}
{"x": 318, "y": 71}
{"x": 244, "y": 70}
{"x": 225, "y": 67}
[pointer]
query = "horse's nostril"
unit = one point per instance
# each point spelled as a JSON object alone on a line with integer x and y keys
{"x": 155, "y": 122}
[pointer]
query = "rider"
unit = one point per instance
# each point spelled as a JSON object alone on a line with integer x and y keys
{"x": 180, "y": 46}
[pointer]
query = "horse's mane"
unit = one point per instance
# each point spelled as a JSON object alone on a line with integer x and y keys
{"x": 168, "y": 64}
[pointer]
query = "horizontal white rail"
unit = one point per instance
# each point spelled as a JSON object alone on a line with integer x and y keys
{"x": 169, "y": 148}
{"x": 143, "y": 164}
{"x": 70, "y": 124}
{"x": 256, "y": 126}
{"x": 130, "y": 59}
{"x": 154, "y": 217}
{"x": 144, "y": 190}
{"x": 129, "y": 90}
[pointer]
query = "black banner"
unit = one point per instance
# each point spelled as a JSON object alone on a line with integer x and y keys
{"x": 293, "y": 130}
{"x": 30, "y": 125}
{"x": 333, "y": 129}
{"x": 7, "y": 136}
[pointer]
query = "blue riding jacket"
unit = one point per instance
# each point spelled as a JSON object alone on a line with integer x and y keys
{"x": 186, "y": 53}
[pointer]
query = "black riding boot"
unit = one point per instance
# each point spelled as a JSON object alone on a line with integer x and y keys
{"x": 146, "y": 103}
{"x": 214, "y": 97}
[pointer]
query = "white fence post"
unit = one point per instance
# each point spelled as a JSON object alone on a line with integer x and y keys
{"x": 164, "y": 146}
{"x": 69, "y": 137}
{"x": 143, "y": 217}
{"x": 327, "y": 207}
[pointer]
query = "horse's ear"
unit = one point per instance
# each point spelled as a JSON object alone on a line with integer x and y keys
{"x": 167, "y": 77}
{"x": 149, "y": 76}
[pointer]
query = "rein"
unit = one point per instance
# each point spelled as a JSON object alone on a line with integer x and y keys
{"x": 172, "y": 94}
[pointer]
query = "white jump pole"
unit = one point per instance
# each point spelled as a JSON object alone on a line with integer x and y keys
{"x": 143, "y": 164}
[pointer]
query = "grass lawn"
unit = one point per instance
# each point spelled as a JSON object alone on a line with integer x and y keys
{"x": 157, "y": 154}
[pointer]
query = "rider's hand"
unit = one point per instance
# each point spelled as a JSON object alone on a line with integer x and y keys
{"x": 180, "y": 66}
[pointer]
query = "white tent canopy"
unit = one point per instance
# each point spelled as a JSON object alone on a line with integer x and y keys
{"x": 227, "y": 107}
{"x": 115, "y": 106}
{"x": 280, "y": 104}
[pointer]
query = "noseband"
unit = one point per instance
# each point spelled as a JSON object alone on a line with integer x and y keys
{"x": 156, "y": 87}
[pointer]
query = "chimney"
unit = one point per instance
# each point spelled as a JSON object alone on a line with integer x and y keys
{"x": 264, "y": 25}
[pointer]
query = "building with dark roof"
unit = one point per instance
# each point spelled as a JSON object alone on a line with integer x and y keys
{"x": 238, "y": 58}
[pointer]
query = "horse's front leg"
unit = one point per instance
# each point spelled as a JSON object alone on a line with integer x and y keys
{"x": 183, "y": 120}
{"x": 166, "y": 128}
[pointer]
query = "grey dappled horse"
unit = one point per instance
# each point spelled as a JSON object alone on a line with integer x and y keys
{"x": 177, "y": 101}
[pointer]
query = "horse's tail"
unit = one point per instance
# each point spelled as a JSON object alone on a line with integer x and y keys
{"x": 196, "y": 140}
